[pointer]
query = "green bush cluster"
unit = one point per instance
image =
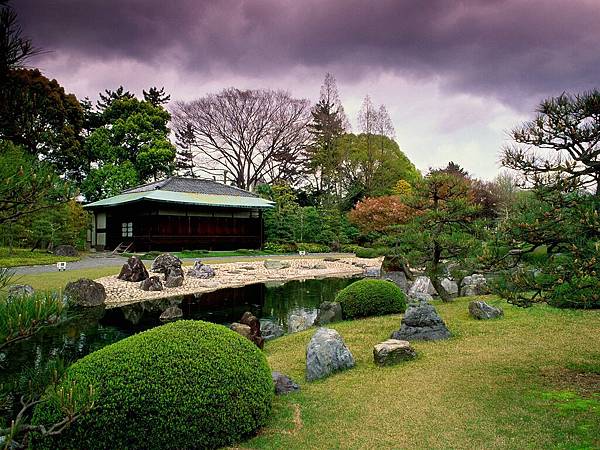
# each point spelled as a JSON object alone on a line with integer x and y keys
{"x": 371, "y": 298}
{"x": 311, "y": 247}
{"x": 366, "y": 252}
{"x": 188, "y": 384}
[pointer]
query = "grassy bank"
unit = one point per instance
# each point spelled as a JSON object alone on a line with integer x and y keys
{"x": 529, "y": 380}
{"x": 25, "y": 257}
{"x": 58, "y": 280}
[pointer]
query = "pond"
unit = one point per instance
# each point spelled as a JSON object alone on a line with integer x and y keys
{"x": 95, "y": 328}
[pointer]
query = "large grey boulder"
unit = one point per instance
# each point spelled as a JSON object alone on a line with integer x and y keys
{"x": 283, "y": 384}
{"x": 201, "y": 270}
{"x": 475, "y": 284}
{"x": 65, "y": 250}
{"x": 85, "y": 292}
{"x": 326, "y": 353}
{"x": 421, "y": 322}
{"x": 171, "y": 313}
{"x": 151, "y": 284}
{"x": 392, "y": 352}
{"x": 170, "y": 266}
{"x": 19, "y": 290}
{"x": 270, "y": 330}
{"x": 133, "y": 270}
{"x": 420, "y": 297}
{"x": 421, "y": 285}
{"x": 450, "y": 286}
{"x": 272, "y": 264}
{"x": 482, "y": 311}
{"x": 329, "y": 312}
{"x": 397, "y": 277}
{"x": 300, "y": 321}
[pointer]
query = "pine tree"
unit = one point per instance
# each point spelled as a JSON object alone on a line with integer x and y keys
{"x": 185, "y": 156}
{"x": 109, "y": 96}
{"x": 157, "y": 97}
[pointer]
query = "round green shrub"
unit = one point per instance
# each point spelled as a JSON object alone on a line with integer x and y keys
{"x": 188, "y": 384}
{"x": 371, "y": 298}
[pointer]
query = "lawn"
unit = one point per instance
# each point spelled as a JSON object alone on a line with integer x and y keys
{"x": 57, "y": 280}
{"x": 26, "y": 257}
{"x": 528, "y": 380}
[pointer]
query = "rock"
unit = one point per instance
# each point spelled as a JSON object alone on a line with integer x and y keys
{"x": 133, "y": 270}
{"x": 151, "y": 284}
{"x": 169, "y": 265}
{"x": 248, "y": 268}
{"x": 392, "y": 351}
{"x": 316, "y": 266}
{"x": 241, "y": 329}
{"x": 272, "y": 264}
{"x": 201, "y": 270}
{"x": 326, "y": 353}
{"x": 421, "y": 322}
{"x": 171, "y": 313}
{"x": 423, "y": 285}
{"x": 475, "y": 284}
{"x": 372, "y": 272}
{"x": 331, "y": 259}
{"x": 329, "y": 312}
{"x": 173, "y": 282}
{"x": 85, "y": 292}
{"x": 392, "y": 263}
{"x": 19, "y": 290}
{"x": 283, "y": 384}
{"x": 482, "y": 311}
{"x": 255, "y": 336}
{"x": 397, "y": 277}
{"x": 299, "y": 322}
{"x": 419, "y": 297}
{"x": 65, "y": 250}
{"x": 450, "y": 286}
{"x": 270, "y": 330}
{"x": 359, "y": 264}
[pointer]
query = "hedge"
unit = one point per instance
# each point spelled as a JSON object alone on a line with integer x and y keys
{"x": 371, "y": 298}
{"x": 187, "y": 384}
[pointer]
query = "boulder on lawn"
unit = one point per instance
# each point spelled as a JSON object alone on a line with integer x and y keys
{"x": 420, "y": 297}
{"x": 482, "y": 311}
{"x": 255, "y": 336}
{"x": 151, "y": 284}
{"x": 65, "y": 250}
{"x": 421, "y": 322}
{"x": 326, "y": 353}
{"x": 270, "y": 330}
{"x": 283, "y": 384}
{"x": 450, "y": 286}
{"x": 300, "y": 321}
{"x": 85, "y": 292}
{"x": 174, "y": 281}
{"x": 19, "y": 290}
{"x": 392, "y": 352}
{"x": 171, "y": 313}
{"x": 422, "y": 285}
{"x": 200, "y": 270}
{"x": 273, "y": 264}
{"x": 475, "y": 284}
{"x": 133, "y": 270}
{"x": 329, "y": 312}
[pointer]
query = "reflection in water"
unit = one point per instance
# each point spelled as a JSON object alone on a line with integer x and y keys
{"x": 94, "y": 328}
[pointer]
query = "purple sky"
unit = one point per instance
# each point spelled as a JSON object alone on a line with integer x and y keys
{"x": 454, "y": 75}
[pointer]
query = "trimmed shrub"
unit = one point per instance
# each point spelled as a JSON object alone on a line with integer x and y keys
{"x": 365, "y": 252}
{"x": 187, "y": 384}
{"x": 349, "y": 248}
{"x": 371, "y": 298}
{"x": 310, "y": 247}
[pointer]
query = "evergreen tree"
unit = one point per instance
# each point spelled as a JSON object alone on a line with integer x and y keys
{"x": 156, "y": 97}
{"x": 185, "y": 155}
{"x": 109, "y": 97}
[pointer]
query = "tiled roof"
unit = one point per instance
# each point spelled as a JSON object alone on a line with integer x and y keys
{"x": 194, "y": 185}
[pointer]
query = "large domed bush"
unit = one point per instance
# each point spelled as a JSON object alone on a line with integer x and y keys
{"x": 188, "y": 384}
{"x": 371, "y": 298}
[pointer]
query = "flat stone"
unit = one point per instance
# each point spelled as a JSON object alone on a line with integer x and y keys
{"x": 327, "y": 353}
{"x": 392, "y": 352}
{"x": 421, "y": 322}
{"x": 283, "y": 384}
{"x": 331, "y": 259}
{"x": 482, "y": 311}
{"x": 272, "y": 264}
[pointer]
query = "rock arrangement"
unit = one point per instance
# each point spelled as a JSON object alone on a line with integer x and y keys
{"x": 300, "y": 321}
{"x": 326, "y": 353}
{"x": 283, "y": 384}
{"x": 328, "y": 312}
{"x": 133, "y": 270}
{"x": 421, "y": 285}
{"x": 392, "y": 352}
{"x": 270, "y": 330}
{"x": 450, "y": 286}
{"x": 65, "y": 250}
{"x": 421, "y": 322}
{"x": 482, "y": 311}
{"x": 202, "y": 271}
{"x": 475, "y": 284}
{"x": 85, "y": 292}
{"x": 151, "y": 284}
{"x": 19, "y": 290}
{"x": 170, "y": 266}
{"x": 171, "y": 313}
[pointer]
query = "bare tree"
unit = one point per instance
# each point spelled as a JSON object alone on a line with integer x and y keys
{"x": 254, "y": 135}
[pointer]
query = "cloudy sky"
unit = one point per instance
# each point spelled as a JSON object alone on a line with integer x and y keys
{"x": 455, "y": 75}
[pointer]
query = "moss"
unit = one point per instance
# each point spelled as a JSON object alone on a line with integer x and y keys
{"x": 371, "y": 298}
{"x": 188, "y": 384}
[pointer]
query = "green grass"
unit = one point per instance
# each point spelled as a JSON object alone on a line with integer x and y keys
{"x": 26, "y": 257}
{"x": 58, "y": 280}
{"x": 495, "y": 384}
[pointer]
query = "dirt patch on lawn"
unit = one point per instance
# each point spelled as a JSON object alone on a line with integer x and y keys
{"x": 584, "y": 383}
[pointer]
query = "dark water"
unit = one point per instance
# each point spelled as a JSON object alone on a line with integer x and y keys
{"x": 93, "y": 329}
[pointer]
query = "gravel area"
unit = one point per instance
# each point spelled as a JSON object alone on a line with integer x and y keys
{"x": 236, "y": 274}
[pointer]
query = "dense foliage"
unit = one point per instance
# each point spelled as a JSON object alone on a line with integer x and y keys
{"x": 188, "y": 384}
{"x": 371, "y": 298}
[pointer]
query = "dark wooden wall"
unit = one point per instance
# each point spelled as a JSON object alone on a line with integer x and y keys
{"x": 184, "y": 229}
